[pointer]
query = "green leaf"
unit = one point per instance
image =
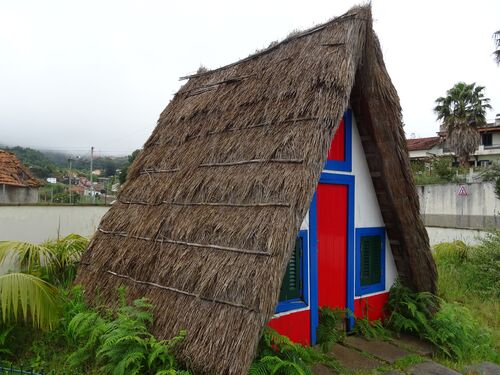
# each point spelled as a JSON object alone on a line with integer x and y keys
{"x": 29, "y": 256}
{"x": 37, "y": 300}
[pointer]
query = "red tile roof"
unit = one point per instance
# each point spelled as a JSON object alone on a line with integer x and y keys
{"x": 14, "y": 173}
{"x": 422, "y": 143}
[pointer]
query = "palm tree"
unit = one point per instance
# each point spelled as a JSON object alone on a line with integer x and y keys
{"x": 462, "y": 111}
{"x": 28, "y": 272}
{"x": 496, "y": 37}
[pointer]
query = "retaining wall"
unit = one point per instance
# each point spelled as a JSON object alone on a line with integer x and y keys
{"x": 39, "y": 223}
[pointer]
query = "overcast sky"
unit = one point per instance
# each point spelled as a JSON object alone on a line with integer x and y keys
{"x": 76, "y": 74}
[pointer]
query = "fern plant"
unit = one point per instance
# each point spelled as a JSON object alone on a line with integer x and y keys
{"x": 275, "y": 365}
{"x": 410, "y": 312}
{"x": 330, "y": 328}
{"x": 278, "y": 355}
{"x": 373, "y": 329}
{"x": 122, "y": 344}
{"x": 4, "y": 335}
{"x": 452, "y": 329}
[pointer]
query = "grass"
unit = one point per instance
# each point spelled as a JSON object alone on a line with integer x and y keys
{"x": 399, "y": 365}
{"x": 470, "y": 277}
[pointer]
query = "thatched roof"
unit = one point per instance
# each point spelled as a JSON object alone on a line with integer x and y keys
{"x": 14, "y": 173}
{"x": 206, "y": 222}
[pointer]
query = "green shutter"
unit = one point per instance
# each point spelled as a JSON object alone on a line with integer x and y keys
{"x": 291, "y": 287}
{"x": 371, "y": 260}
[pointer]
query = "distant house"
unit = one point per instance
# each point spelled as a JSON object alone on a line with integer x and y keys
{"x": 422, "y": 148}
{"x": 488, "y": 151}
{"x": 17, "y": 185}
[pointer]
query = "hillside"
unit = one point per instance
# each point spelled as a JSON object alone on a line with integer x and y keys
{"x": 45, "y": 164}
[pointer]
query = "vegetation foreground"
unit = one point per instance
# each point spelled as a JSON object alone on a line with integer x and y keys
{"x": 46, "y": 325}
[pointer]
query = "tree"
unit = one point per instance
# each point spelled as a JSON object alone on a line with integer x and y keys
{"x": 27, "y": 286}
{"x": 462, "y": 111}
{"x": 496, "y": 37}
{"x": 124, "y": 171}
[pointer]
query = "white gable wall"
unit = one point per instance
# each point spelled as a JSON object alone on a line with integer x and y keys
{"x": 367, "y": 211}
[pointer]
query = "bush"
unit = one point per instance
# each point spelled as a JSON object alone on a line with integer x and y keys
{"x": 473, "y": 270}
{"x": 453, "y": 253}
{"x": 371, "y": 329}
{"x": 459, "y": 336}
{"x": 278, "y": 355}
{"x": 331, "y": 327}
{"x": 93, "y": 341}
{"x": 441, "y": 166}
{"x": 455, "y": 333}
{"x": 122, "y": 345}
{"x": 492, "y": 174}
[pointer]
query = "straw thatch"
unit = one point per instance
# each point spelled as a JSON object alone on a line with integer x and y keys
{"x": 14, "y": 173}
{"x": 206, "y": 222}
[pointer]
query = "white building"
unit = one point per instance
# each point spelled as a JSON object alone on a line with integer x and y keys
{"x": 488, "y": 151}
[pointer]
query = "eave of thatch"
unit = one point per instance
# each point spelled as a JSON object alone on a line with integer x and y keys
{"x": 206, "y": 222}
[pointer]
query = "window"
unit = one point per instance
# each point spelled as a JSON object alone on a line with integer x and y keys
{"x": 371, "y": 253}
{"x": 370, "y": 260}
{"x": 487, "y": 139}
{"x": 291, "y": 287}
{"x": 293, "y": 293}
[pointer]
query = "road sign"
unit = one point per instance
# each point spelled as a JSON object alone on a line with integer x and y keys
{"x": 462, "y": 191}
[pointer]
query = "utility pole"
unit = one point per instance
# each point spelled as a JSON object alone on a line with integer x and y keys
{"x": 70, "y": 195}
{"x": 91, "y": 177}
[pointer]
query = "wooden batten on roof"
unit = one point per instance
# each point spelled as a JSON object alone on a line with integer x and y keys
{"x": 14, "y": 173}
{"x": 206, "y": 222}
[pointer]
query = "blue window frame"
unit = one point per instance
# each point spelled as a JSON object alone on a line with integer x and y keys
{"x": 346, "y": 164}
{"x": 370, "y": 260}
{"x": 302, "y": 300}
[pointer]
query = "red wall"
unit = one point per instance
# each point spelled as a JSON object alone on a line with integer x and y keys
{"x": 373, "y": 306}
{"x": 296, "y": 326}
{"x": 337, "y": 148}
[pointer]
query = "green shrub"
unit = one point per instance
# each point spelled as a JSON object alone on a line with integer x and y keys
{"x": 468, "y": 270}
{"x": 459, "y": 336}
{"x": 455, "y": 333}
{"x": 441, "y": 167}
{"x": 485, "y": 266}
{"x": 123, "y": 344}
{"x": 278, "y": 355}
{"x": 410, "y": 312}
{"x": 455, "y": 252}
{"x": 330, "y": 328}
{"x": 417, "y": 166}
{"x": 492, "y": 174}
{"x": 371, "y": 329}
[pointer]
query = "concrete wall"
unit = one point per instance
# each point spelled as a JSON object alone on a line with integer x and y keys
{"x": 39, "y": 223}
{"x": 460, "y": 206}
{"x": 459, "y": 211}
{"x": 15, "y": 194}
{"x": 469, "y": 236}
